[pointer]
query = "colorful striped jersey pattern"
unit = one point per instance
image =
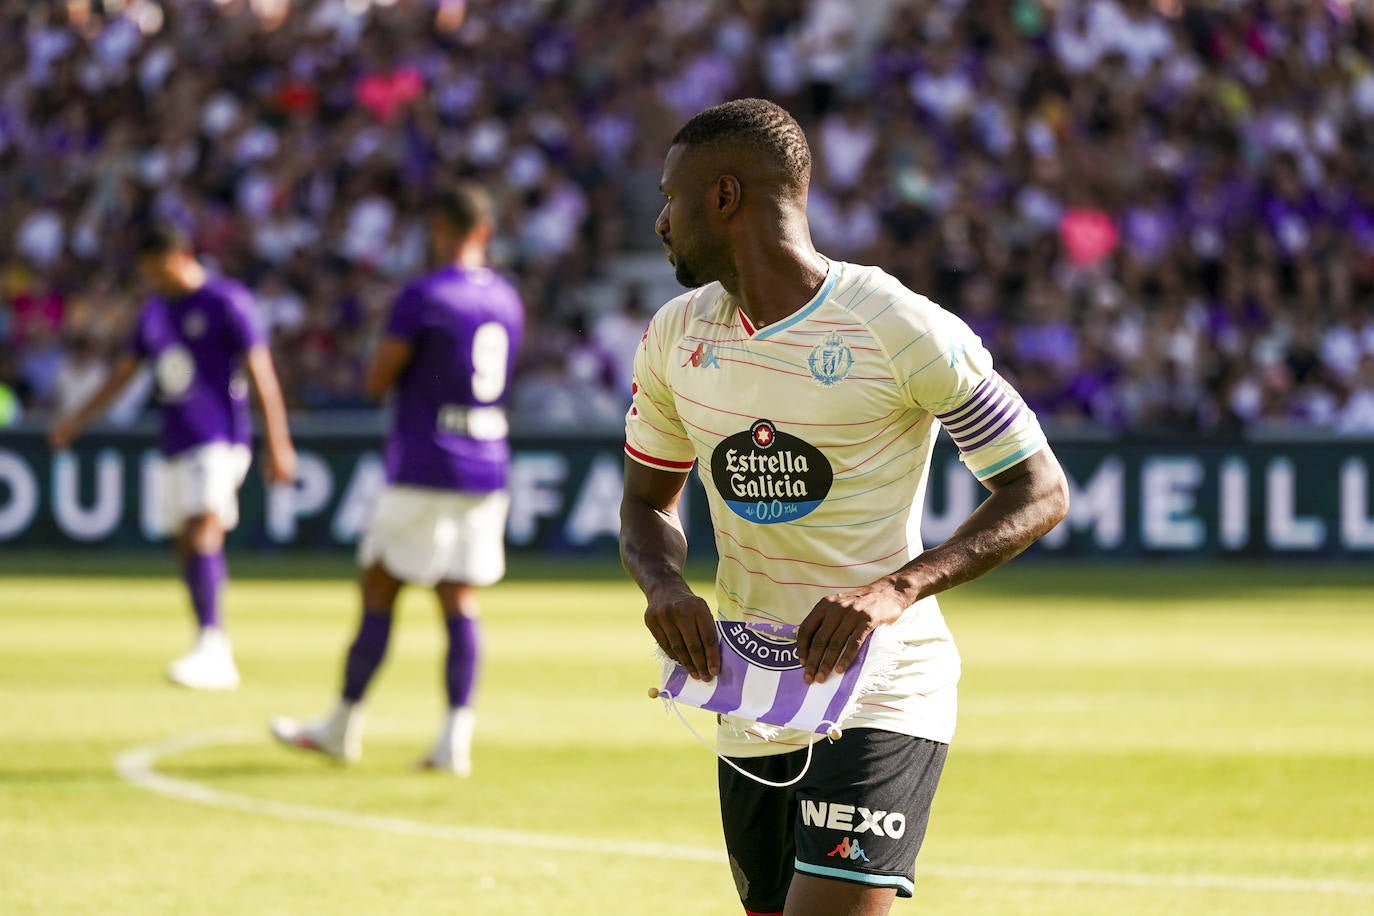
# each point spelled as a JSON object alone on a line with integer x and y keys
{"x": 761, "y": 680}
{"x": 812, "y": 437}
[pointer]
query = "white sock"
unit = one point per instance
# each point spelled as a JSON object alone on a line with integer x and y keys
{"x": 211, "y": 636}
{"x": 457, "y": 731}
{"x": 346, "y": 718}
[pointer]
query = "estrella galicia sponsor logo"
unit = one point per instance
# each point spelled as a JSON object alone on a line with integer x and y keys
{"x": 755, "y": 644}
{"x": 849, "y": 849}
{"x": 769, "y": 476}
{"x": 831, "y": 359}
{"x": 853, "y": 818}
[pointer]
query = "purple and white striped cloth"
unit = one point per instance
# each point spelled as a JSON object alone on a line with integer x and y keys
{"x": 761, "y": 679}
{"x": 987, "y": 413}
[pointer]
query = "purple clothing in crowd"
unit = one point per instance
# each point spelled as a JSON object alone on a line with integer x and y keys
{"x": 1148, "y": 231}
{"x": 1359, "y": 221}
{"x": 1290, "y": 222}
{"x": 196, "y": 346}
{"x": 448, "y": 431}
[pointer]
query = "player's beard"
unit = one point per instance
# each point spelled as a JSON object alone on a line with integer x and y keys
{"x": 684, "y": 272}
{"x": 686, "y": 277}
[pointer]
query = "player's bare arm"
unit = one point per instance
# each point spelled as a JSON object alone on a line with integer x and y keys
{"x": 653, "y": 549}
{"x": 65, "y": 431}
{"x": 281, "y": 454}
{"x": 386, "y": 367}
{"x": 1026, "y": 501}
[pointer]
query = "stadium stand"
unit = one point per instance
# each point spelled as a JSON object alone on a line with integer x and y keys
{"x": 1159, "y": 214}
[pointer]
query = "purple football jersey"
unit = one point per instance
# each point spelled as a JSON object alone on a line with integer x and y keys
{"x": 196, "y": 345}
{"x": 449, "y": 426}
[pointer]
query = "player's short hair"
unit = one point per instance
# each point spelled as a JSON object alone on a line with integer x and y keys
{"x": 759, "y": 127}
{"x": 160, "y": 237}
{"x": 464, "y": 206}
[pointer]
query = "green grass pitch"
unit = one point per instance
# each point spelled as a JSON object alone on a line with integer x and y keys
{"x": 1133, "y": 739}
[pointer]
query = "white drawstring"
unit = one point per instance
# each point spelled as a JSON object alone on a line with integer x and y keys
{"x": 833, "y": 733}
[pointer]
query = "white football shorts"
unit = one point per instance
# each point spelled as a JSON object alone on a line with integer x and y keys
{"x": 426, "y": 536}
{"x": 204, "y": 480}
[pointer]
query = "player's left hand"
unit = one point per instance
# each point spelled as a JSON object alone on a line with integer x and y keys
{"x": 281, "y": 465}
{"x": 831, "y": 635}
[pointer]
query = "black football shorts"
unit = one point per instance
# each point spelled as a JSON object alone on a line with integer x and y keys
{"x": 858, "y": 815}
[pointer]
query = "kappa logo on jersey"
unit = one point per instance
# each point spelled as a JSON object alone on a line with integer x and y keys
{"x": 768, "y": 476}
{"x": 831, "y": 359}
{"x": 703, "y": 357}
{"x": 848, "y": 849}
{"x": 853, "y": 818}
{"x": 755, "y": 644}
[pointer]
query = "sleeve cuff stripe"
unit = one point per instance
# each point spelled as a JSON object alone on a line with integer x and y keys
{"x": 967, "y": 437}
{"x": 951, "y": 416}
{"x": 658, "y": 462}
{"x": 992, "y": 434}
{"x": 996, "y": 402}
{"x": 1010, "y": 460}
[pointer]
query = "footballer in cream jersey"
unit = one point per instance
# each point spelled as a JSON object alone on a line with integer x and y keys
{"x": 813, "y": 437}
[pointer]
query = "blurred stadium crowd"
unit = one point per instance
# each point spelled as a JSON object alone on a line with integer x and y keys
{"x": 1159, "y": 214}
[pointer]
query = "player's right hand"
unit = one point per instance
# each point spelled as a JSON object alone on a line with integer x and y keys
{"x": 685, "y": 630}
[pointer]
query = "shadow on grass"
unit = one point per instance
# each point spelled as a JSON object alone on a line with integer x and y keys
{"x": 289, "y": 765}
{"x": 248, "y": 565}
{"x": 93, "y": 775}
{"x": 1115, "y": 580}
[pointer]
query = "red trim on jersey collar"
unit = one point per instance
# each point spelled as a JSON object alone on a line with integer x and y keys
{"x": 752, "y": 913}
{"x": 744, "y": 320}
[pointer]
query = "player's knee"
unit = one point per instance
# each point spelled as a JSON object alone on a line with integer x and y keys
{"x": 379, "y": 588}
{"x": 810, "y": 895}
{"x": 203, "y": 533}
{"x": 457, "y": 599}
{"x": 468, "y": 613}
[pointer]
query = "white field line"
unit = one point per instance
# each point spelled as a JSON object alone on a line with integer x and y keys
{"x": 137, "y": 766}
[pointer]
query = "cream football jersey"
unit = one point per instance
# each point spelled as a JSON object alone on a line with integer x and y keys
{"x": 813, "y": 438}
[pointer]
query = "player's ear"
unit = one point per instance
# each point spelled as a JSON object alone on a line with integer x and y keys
{"x": 728, "y": 195}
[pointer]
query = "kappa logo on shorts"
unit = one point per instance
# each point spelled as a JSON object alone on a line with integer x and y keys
{"x": 848, "y": 849}
{"x": 833, "y": 816}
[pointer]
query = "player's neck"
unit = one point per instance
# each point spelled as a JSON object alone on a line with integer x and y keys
{"x": 776, "y": 282}
{"x": 190, "y": 278}
{"x": 470, "y": 257}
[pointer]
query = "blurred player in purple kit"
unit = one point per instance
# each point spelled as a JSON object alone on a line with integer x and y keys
{"x": 440, "y": 522}
{"x": 199, "y": 333}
